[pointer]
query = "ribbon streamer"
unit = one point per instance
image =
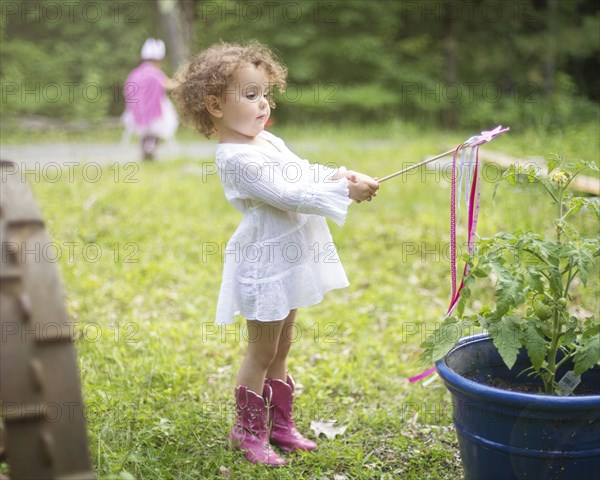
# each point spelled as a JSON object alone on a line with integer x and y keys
{"x": 465, "y": 176}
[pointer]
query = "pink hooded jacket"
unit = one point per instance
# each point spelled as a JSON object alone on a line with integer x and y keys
{"x": 143, "y": 91}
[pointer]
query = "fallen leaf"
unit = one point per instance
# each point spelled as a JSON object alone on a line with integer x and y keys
{"x": 90, "y": 202}
{"x": 225, "y": 473}
{"x": 328, "y": 428}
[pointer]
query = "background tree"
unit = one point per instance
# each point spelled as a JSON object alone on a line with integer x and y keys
{"x": 446, "y": 62}
{"x": 177, "y": 21}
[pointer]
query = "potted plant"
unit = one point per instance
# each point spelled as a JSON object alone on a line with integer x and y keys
{"x": 526, "y": 395}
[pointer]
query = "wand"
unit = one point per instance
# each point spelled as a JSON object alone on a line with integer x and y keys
{"x": 471, "y": 142}
{"x": 464, "y": 173}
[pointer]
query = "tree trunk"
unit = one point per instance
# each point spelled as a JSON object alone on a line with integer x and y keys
{"x": 176, "y": 19}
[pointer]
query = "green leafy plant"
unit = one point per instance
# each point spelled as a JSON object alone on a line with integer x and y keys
{"x": 535, "y": 279}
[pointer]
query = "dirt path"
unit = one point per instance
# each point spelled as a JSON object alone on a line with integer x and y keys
{"x": 101, "y": 153}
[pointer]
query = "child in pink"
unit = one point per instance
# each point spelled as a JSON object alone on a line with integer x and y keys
{"x": 148, "y": 112}
{"x": 282, "y": 256}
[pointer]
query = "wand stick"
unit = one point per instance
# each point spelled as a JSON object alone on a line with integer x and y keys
{"x": 416, "y": 165}
{"x": 471, "y": 142}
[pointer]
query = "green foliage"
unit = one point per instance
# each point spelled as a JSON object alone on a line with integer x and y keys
{"x": 70, "y": 59}
{"x": 444, "y": 63}
{"x": 535, "y": 279}
{"x": 589, "y": 352}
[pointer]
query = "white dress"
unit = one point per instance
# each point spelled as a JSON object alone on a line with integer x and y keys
{"x": 165, "y": 126}
{"x": 282, "y": 255}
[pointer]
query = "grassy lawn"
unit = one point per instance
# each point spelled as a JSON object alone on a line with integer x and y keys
{"x": 141, "y": 259}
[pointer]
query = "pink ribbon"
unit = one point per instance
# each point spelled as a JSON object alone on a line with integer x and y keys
{"x": 474, "y": 202}
{"x": 473, "y": 206}
{"x": 426, "y": 373}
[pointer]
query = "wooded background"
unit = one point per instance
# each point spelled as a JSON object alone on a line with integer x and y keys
{"x": 447, "y": 62}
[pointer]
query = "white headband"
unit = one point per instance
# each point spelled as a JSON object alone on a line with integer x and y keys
{"x": 153, "y": 49}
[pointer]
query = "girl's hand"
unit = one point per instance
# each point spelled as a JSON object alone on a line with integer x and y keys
{"x": 361, "y": 187}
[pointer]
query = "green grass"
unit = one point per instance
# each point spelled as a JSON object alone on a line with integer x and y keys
{"x": 142, "y": 280}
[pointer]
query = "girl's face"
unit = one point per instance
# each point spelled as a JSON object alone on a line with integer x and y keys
{"x": 244, "y": 111}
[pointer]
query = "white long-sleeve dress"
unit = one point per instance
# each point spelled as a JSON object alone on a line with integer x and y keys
{"x": 282, "y": 255}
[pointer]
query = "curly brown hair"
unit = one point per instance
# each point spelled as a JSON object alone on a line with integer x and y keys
{"x": 209, "y": 73}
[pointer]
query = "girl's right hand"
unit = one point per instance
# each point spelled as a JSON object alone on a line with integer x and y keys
{"x": 361, "y": 187}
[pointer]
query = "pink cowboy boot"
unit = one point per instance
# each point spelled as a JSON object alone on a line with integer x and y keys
{"x": 249, "y": 431}
{"x": 283, "y": 429}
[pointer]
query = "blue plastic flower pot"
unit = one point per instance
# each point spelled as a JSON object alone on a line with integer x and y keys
{"x": 506, "y": 434}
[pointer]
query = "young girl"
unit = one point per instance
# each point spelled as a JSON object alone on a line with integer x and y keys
{"x": 148, "y": 111}
{"x": 281, "y": 257}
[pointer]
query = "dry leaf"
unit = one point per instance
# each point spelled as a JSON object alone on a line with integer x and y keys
{"x": 225, "y": 473}
{"x": 328, "y": 428}
{"x": 90, "y": 202}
